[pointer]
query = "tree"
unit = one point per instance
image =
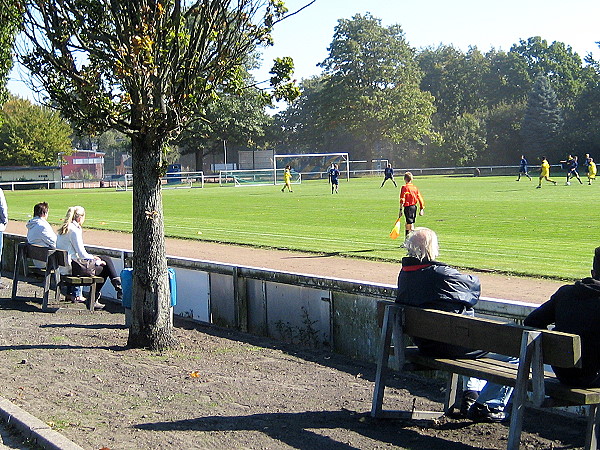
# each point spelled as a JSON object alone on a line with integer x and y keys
{"x": 32, "y": 135}
{"x": 146, "y": 69}
{"x": 542, "y": 121}
{"x": 463, "y": 141}
{"x": 372, "y": 86}
{"x": 238, "y": 118}
{"x": 558, "y": 62}
{"x": 9, "y": 22}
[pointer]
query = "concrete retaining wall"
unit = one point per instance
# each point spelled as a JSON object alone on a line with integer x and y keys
{"x": 304, "y": 309}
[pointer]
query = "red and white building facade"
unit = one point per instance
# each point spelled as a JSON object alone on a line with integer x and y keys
{"x": 79, "y": 160}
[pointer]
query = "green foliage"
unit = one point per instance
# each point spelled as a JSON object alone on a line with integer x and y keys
{"x": 9, "y": 24}
{"x": 543, "y": 121}
{"x": 32, "y": 135}
{"x": 557, "y": 62}
{"x": 464, "y": 140}
{"x": 491, "y": 223}
{"x": 372, "y": 83}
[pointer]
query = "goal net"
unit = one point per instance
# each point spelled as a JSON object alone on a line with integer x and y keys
{"x": 256, "y": 177}
{"x": 125, "y": 183}
{"x": 313, "y": 165}
{"x": 176, "y": 180}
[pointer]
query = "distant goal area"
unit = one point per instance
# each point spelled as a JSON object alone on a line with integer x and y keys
{"x": 302, "y": 167}
{"x": 175, "y": 180}
{"x": 256, "y": 177}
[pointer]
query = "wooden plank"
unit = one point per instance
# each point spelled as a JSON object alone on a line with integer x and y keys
{"x": 578, "y": 396}
{"x": 559, "y": 349}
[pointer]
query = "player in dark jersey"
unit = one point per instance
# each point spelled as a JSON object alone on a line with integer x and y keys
{"x": 389, "y": 175}
{"x": 334, "y": 175}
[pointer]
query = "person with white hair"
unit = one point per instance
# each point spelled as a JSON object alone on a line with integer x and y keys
{"x": 426, "y": 283}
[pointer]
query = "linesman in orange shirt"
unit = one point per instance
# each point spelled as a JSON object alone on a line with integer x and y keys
{"x": 409, "y": 197}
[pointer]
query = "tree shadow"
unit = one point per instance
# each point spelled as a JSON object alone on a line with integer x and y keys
{"x": 297, "y": 430}
{"x": 115, "y": 348}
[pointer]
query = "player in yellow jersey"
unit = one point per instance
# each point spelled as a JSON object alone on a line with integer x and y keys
{"x": 591, "y": 170}
{"x": 287, "y": 178}
{"x": 545, "y": 173}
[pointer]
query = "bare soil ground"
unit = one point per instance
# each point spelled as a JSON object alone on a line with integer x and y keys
{"x": 223, "y": 389}
{"x": 219, "y": 389}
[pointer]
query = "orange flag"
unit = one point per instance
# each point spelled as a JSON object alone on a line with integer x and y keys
{"x": 396, "y": 230}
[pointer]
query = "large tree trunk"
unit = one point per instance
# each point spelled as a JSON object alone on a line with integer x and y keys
{"x": 152, "y": 322}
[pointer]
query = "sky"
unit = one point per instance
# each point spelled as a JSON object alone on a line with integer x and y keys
{"x": 426, "y": 23}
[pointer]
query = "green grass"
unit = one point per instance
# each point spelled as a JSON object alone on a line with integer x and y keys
{"x": 487, "y": 223}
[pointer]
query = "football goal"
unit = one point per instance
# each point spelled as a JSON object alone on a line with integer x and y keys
{"x": 313, "y": 165}
{"x": 125, "y": 183}
{"x": 256, "y": 177}
{"x": 176, "y": 180}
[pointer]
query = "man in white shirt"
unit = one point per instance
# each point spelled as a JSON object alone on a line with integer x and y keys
{"x": 39, "y": 231}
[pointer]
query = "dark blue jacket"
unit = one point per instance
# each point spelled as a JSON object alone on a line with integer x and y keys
{"x": 434, "y": 285}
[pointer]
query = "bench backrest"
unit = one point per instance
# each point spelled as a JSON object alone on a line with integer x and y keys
{"x": 37, "y": 252}
{"x": 41, "y": 253}
{"x": 559, "y": 349}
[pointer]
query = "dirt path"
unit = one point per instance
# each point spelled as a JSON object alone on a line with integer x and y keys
{"x": 530, "y": 290}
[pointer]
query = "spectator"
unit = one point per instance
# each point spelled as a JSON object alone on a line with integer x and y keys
{"x": 70, "y": 238}
{"x": 427, "y": 283}
{"x": 39, "y": 231}
{"x": 575, "y": 308}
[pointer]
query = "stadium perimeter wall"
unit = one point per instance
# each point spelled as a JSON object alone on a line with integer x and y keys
{"x": 304, "y": 309}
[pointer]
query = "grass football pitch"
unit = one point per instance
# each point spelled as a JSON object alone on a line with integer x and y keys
{"x": 485, "y": 223}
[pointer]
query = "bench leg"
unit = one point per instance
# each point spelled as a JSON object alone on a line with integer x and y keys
{"x": 591, "y": 437}
{"x": 47, "y": 279}
{"x": 382, "y": 364}
{"x": 92, "y": 300}
{"x": 530, "y": 345}
{"x": 19, "y": 258}
{"x": 452, "y": 392}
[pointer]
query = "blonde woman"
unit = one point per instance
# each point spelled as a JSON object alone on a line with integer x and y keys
{"x": 70, "y": 239}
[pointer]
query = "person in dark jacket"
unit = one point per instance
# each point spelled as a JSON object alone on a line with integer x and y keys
{"x": 427, "y": 283}
{"x": 575, "y": 308}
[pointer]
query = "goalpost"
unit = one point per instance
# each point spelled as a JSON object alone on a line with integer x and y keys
{"x": 313, "y": 164}
{"x": 179, "y": 180}
{"x": 125, "y": 183}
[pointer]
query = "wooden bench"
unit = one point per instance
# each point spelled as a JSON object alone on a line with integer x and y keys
{"x": 53, "y": 259}
{"x": 533, "y": 347}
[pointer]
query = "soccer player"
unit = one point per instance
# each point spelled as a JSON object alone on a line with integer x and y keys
{"x": 409, "y": 197}
{"x": 523, "y": 168}
{"x": 591, "y": 174}
{"x": 334, "y": 175}
{"x": 389, "y": 175}
{"x": 572, "y": 165}
{"x": 287, "y": 178}
{"x": 545, "y": 172}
